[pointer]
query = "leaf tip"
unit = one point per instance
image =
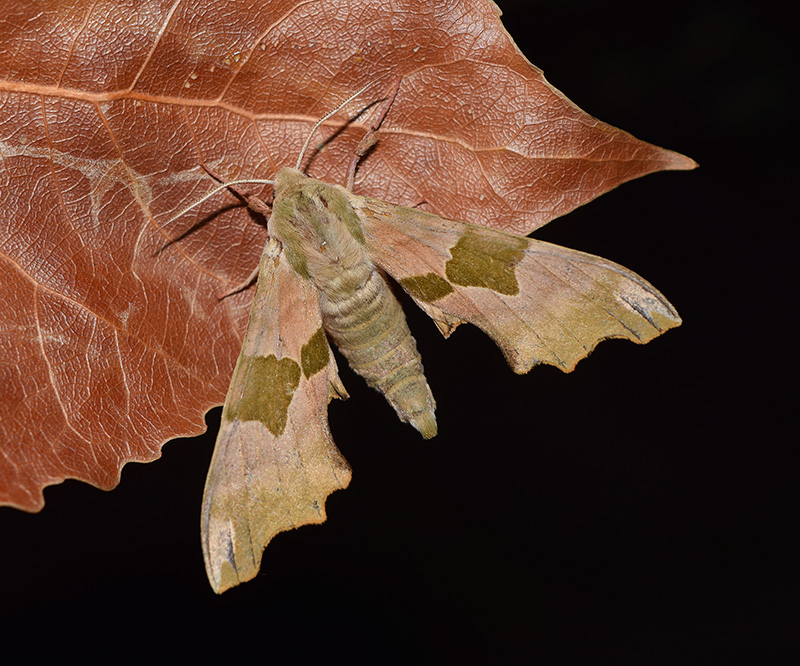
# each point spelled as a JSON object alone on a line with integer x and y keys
{"x": 678, "y": 162}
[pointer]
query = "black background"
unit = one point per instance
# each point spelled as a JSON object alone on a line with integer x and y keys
{"x": 641, "y": 510}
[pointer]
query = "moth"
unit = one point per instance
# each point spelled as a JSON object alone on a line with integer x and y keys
{"x": 322, "y": 278}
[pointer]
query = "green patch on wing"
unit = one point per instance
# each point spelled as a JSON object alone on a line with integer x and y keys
{"x": 315, "y": 355}
{"x": 486, "y": 259}
{"x": 426, "y": 288}
{"x": 267, "y": 393}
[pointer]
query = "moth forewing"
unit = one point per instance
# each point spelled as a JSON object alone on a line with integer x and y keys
{"x": 274, "y": 461}
{"x": 541, "y": 303}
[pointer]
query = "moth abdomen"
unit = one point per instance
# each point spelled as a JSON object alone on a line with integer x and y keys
{"x": 369, "y": 328}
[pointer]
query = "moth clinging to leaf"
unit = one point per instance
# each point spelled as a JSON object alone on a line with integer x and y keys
{"x": 323, "y": 277}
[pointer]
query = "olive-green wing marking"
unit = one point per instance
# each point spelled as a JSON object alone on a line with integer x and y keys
{"x": 267, "y": 393}
{"x": 274, "y": 461}
{"x": 541, "y": 303}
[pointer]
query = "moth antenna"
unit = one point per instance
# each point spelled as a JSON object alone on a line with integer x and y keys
{"x": 327, "y": 117}
{"x": 212, "y": 193}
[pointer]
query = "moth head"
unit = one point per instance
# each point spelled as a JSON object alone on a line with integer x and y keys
{"x": 288, "y": 180}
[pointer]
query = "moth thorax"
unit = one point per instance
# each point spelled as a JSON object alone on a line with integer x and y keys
{"x": 316, "y": 223}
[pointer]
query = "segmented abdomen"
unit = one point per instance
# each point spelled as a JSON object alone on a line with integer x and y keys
{"x": 369, "y": 328}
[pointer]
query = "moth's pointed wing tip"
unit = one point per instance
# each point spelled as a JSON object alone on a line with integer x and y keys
{"x": 664, "y": 320}
{"x": 229, "y": 567}
{"x": 658, "y": 312}
{"x": 659, "y": 321}
{"x": 219, "y": 556}
{"x": 226, "y": 579}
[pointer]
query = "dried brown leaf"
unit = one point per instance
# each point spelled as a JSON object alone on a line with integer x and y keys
{"x": 112, "y": 340}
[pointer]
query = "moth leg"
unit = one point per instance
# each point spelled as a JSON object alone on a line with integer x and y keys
{"x": 241, "y": 286}
{"x": 370, "y": 138}
{"x": 257, "y": 204}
